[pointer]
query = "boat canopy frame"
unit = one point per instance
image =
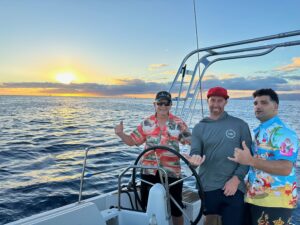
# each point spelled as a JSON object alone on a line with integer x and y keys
{"x": 186, "y": 99}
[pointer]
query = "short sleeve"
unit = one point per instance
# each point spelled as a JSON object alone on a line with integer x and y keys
{"x": 138, "y": 135}
{"x": 286, "y": 143}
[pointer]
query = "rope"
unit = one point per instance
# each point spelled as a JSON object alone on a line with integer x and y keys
{"x": 197, "y": 41}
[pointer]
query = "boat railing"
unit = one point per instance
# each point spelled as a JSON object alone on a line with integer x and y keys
{"x": 88, "y": 175}
{"x": 127, "y": 167}
{"x": 186, "y": 93}
{"x": 83, "y": 173}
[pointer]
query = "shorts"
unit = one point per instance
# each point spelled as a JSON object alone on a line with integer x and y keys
{"x": 175, "y": 191}
{"x": 256, "y": 215}
{"x": 230, "y": 208}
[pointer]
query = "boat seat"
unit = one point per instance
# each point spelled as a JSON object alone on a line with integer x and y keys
{"x": 81, "y": 214}
{"x": 156, "y": 205}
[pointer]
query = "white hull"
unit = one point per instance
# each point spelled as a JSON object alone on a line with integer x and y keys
{"x": 98, "y": 211}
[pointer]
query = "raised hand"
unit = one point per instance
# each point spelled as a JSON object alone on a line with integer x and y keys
{"x": 195, "y": 160}
{"x": 119, "y": 128}
{"x": 242, "y": 156}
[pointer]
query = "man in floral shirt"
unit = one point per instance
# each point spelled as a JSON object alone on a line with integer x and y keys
{"x": 162, "y": 128}
{"x": 271, "y": 190}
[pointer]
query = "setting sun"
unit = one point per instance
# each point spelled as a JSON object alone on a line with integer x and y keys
{"x": 65, "y": 78}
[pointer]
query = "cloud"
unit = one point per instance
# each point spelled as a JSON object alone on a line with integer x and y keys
{"x": 135, "y": 86}
{"x": 169, "y": 72}
{"x": 253, "y": 83}
{"x": 295, "y": 65}
{"x": 228, "y": 76}
{"x": 157, "y": 66}
{"x": 138, "y": 86}
{"x": 290, "y": 77}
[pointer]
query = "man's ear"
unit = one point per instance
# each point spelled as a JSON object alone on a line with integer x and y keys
{"x": 276, "y": 106}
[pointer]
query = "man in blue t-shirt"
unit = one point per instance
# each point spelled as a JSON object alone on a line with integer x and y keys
{"x": 271, "y": 189}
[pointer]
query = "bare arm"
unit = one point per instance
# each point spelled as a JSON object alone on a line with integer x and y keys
{"x": 276, "y": 167}
{"x": 127, "y": 139}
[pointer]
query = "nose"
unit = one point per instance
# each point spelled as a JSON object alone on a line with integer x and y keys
{"x": 257, "y": 106}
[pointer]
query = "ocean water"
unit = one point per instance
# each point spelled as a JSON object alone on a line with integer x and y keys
{"x": 43, "y": 139}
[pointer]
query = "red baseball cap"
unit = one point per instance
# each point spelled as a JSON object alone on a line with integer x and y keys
{"x": 217, "y": 91}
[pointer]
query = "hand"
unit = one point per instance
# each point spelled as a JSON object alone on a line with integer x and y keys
{"x": 231, "y": 186}
{"x": 242, "y": 156}
{"x": 119, "y": 128}
{"x": 195, "y": 160}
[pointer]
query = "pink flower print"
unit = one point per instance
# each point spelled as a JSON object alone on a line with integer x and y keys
{"x": 286, "y": 147}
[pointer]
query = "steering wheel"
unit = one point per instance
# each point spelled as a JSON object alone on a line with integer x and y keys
{"x": 194, "y": 174}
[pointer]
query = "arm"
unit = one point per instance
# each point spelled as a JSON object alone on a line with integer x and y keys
{"x": 196, "y": 145}
{"x": 232, "y": 184}
{"x": 276, "y": 167}
{"x": 242, "y": 170}
{"x": 195, "y": 157}
{"x": 127, "y": 139}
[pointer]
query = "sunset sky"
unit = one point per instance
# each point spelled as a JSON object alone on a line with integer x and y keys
{"x": 134, "y": 47}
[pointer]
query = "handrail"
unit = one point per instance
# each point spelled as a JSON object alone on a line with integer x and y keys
{"x": 87, "y": 149}
{"x": 221, "y": 52}
{"x": 82, "y": 173}
{"x": 120, "y": 176}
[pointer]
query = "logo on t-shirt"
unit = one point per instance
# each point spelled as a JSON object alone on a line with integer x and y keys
{"x": 230, "y": 133}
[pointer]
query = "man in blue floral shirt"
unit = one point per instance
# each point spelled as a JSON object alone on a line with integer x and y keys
{"x": 271, "y": 189}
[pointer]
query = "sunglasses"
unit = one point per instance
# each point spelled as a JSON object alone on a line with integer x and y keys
{"x": 163, "y": 103}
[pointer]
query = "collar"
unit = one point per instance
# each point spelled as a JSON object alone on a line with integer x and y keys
{"x": 170, "y": 116}
{"x": 267, "y": 123}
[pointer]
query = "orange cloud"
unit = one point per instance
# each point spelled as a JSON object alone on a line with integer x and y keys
{"x": 210, "y": 77}
{"x": 228, "y": 76}
{"x": 157, "y": 66}
{"x": 295, "y": 65}
{"x": 169, "y": 72}
{"x": 41, "y": 92}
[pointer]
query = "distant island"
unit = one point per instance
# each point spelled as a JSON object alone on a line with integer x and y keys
{"x": 294, "y": 97}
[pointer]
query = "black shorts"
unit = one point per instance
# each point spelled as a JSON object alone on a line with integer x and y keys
{"x": 231, "y": 208}
{"x": 175, "y": 191}
{"x": 256, "y": 215}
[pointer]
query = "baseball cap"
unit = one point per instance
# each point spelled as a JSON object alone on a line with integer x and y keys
{"x": 163, "y": 95}
{"x": 217, "y": 91}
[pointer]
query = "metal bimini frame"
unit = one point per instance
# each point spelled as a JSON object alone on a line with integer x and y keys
{"x": 188, "y": 91}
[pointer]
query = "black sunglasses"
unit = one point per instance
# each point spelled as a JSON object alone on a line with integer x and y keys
{"x": 163, "y": 103}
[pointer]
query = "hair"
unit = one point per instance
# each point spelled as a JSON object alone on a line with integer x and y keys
{"x": 267, "y": 91}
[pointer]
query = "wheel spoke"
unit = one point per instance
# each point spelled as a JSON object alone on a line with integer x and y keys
{"x": 167, "y": 187}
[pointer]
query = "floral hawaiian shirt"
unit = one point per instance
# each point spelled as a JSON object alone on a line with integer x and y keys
{"x": 273, "y": 141}
{"x": 150, "y": 133}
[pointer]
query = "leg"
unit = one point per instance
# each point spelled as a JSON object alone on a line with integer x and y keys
{"x": 176, "y": 192}
{"x": 247, "y": 219}
{"x": 177, "y": 220}
{"x": 233, "y": 209}
{"x": 212, "y": 220}
{"x": 212, "y": 202}
{"x": 145, "y": 188}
